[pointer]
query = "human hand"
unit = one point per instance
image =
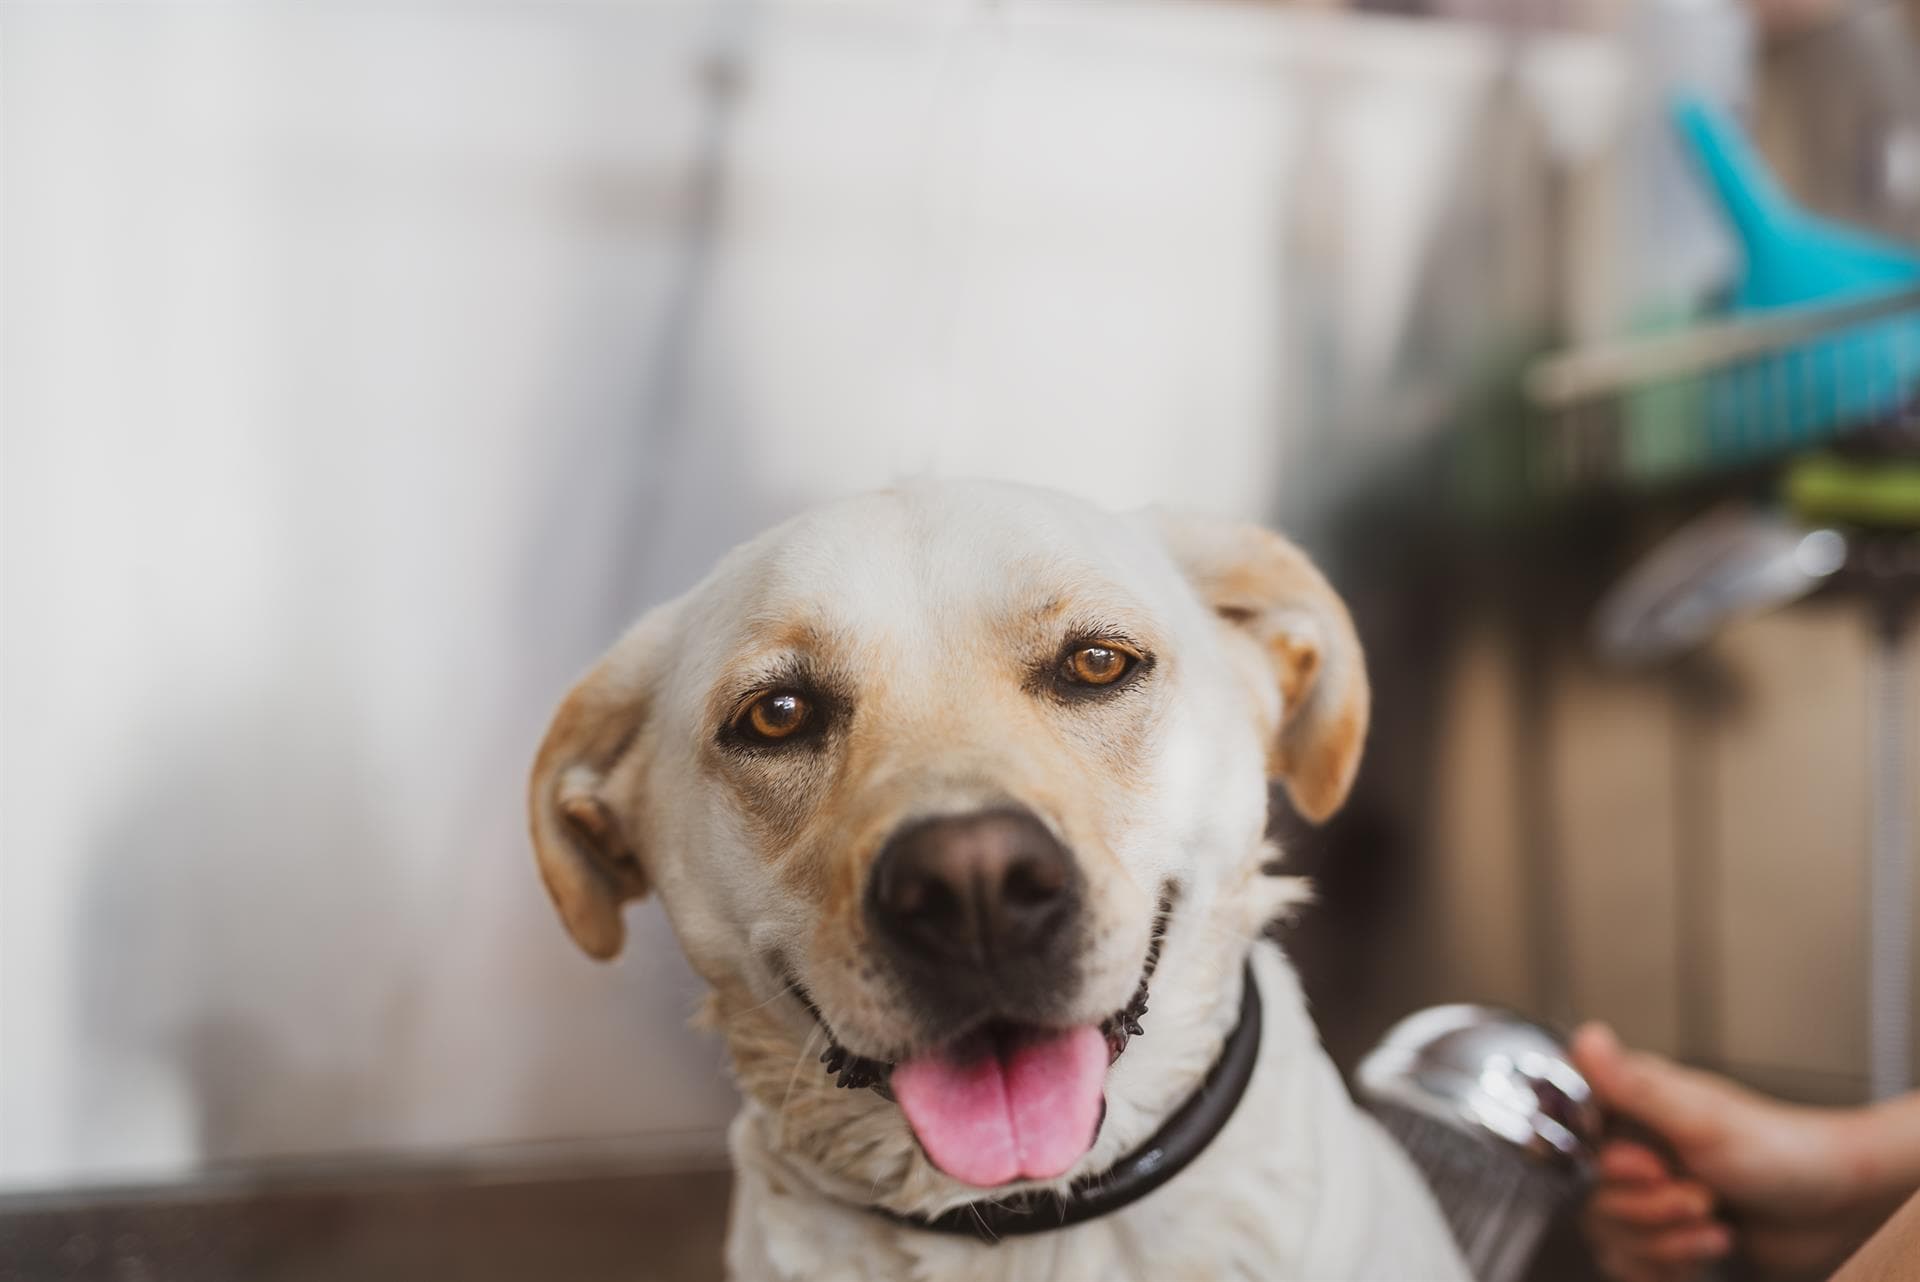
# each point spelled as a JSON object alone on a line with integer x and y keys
{"x": 1775, "y": 1180}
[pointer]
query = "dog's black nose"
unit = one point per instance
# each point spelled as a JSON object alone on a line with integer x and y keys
{"x": 993, "y": 889}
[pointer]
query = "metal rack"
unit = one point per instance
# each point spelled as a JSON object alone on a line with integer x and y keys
{"x": 1720, "y": 396}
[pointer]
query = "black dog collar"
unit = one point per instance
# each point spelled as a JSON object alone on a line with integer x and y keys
{"x": 1180, "y": 1139}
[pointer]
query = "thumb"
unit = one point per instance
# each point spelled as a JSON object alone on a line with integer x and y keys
{"x": 1680, "y": 1105}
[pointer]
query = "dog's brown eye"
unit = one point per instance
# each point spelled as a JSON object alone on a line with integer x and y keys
{"x": 777, "y": 715}
{"x": 1097, "y": 665}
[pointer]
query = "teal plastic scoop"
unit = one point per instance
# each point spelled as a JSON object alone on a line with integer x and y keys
{"x": 1791, "y": 256}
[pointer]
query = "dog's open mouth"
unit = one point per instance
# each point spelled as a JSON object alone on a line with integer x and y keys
{"x": 1005, "y": 1101}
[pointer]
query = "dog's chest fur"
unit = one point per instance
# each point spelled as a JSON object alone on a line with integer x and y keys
{"x": 1298, "y": 1185}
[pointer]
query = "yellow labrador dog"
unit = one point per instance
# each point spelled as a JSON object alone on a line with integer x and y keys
{"x": 956, "y": 796}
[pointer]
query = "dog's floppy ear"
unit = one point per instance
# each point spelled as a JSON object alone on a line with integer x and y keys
{"x": 1314, "y": 699}
{"x": 583, "y": 835}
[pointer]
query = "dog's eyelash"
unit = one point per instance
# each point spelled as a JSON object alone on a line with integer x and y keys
{"x": 1093, "y": 631}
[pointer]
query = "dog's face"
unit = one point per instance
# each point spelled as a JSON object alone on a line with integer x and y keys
{"x": 924, "y": 777}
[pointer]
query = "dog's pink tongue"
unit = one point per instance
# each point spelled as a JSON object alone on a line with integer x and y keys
{"x": 988, "y": 1115}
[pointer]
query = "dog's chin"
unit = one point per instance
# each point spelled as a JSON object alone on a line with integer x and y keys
{"x": 1005, "y": 1100}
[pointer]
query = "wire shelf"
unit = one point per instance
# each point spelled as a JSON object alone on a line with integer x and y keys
{"x": 1718, "y": 397}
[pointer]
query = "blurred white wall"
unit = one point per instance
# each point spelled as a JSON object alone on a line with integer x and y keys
{"x": 365, "y": 370}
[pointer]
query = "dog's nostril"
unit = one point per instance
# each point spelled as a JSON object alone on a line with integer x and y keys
{"x": 1033, "y": 883}
{"x": 917, "y": 894}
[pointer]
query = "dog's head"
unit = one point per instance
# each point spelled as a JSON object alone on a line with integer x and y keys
{"x": 924, "y": 778}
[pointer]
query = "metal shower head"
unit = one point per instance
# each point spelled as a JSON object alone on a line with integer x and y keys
{"x": 1726, "y": 564}
{"x": 1493, "y": 1112}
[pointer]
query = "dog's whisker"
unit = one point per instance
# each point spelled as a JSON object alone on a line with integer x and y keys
{"x": 1230, "y": 934}
{"x": 793, "y": 1079}
{"x": 787, "y": 989}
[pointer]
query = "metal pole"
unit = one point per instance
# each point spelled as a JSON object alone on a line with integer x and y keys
{"x": 1890, "y": 873}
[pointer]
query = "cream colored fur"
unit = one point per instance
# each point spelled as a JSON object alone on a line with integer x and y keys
{"x": 928, "y": 605}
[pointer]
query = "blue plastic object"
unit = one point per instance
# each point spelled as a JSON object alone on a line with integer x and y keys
{"x": 1791, "y": 255}
{"x": 1793, "y": 258}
